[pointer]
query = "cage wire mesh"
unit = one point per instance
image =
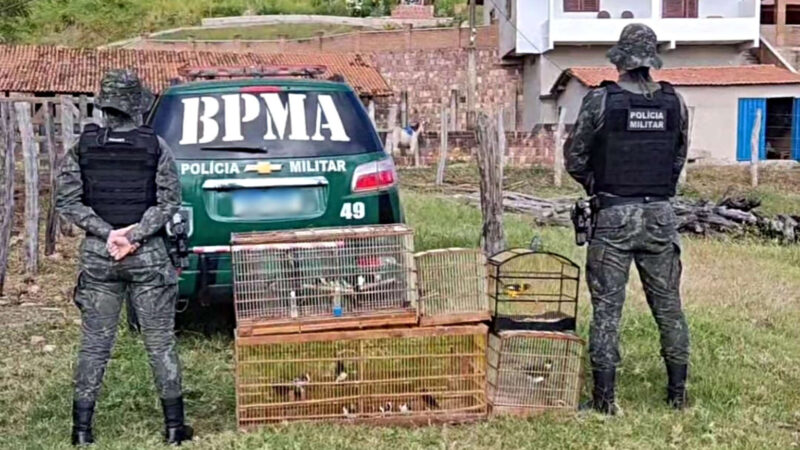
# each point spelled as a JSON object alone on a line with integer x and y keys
{"x": 453, "y": 286}
{"x": 531, "y": 371}
{"x": 323, "y": 274}
{"x": 394, "y": 375}
{"x": 532, "y": 290}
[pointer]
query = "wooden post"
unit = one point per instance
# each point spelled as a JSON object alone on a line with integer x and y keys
{"x": 391, "y": 123}
{"x": 371, "y": 111}
{"x": 472, "y": 68}
{"x": 53, "y": 162}
{"x": 404, "y": 108}
{"x": 30, "y": 156}
{"x": 754, "y": 150}
{"x": 83, "y": 106}
{"x": 558, "y": 164}
{"x": 7, "y": 199}
{"x": 442, "y": 148}
{"x": 490, "y": 168}
{"x": 68, "y": 139}
{"x": 501, "y": 137}
{"x": 453, "y": 115}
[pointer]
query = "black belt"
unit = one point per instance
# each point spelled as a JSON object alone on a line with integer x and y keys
{"x": 607, "y": 202}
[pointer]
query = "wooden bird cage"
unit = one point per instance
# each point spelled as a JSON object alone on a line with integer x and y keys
{"x": 318, "y": 279}
{"x": 532, "y": 290}
{"x": 410, "y": 375}
{"x": 534, "y": 371}
{"x": 453, "y": 286}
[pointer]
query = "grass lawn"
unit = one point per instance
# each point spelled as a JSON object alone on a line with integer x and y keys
{"x": 261, "y": 32}
{"x": 742, "y": 300}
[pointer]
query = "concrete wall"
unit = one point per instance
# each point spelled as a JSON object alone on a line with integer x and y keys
{"x": 539, "y": 77}
{"x": 531, "y": 35}
{"x": 714, "y": 113}
{"x": 369, "y": 22}
{"x": 639, "y": 8}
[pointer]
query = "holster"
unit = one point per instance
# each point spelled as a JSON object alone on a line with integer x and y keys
{"x": 582, "y": 220}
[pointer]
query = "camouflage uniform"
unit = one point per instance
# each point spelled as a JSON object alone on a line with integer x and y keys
{"x": 147, "y": 274}
{"x": 644, "y": 233}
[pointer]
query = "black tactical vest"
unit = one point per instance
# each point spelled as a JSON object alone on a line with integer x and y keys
{"x": 119, "y": 172}
{"x": 635, "y": 149}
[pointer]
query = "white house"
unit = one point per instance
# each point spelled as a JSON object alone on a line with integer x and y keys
{"x": 723, "y": 104}
{"x": 548, "y": 37}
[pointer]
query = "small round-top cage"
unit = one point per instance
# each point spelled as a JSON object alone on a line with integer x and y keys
{"x": 533, "y": 290}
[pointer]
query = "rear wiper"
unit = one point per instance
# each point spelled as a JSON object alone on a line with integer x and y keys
{"x": 235, "y": 148}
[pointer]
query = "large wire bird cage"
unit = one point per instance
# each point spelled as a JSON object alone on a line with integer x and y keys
{"x": 397, "y": 375}
{"x": 310, "y": 280}
{"x": 533, "y": 290}
{"x": 534, "y": 371}
{"x": 453, "y": 285}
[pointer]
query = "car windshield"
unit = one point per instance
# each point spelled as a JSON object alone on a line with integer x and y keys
{"x": 271, "y": 123}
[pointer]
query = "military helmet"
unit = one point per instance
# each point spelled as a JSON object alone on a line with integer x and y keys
{"x": 121, "y": 89}
{"x": 637, "y": 47}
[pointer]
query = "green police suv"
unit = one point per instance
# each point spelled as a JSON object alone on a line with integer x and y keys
{"x": 260, "y": 154}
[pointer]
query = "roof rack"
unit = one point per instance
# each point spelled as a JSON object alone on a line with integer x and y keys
{"x": 217, "y": 72}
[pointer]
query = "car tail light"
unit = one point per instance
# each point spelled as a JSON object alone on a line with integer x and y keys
{"x": 375, "y": 176}
{"x": 260, "y": 89}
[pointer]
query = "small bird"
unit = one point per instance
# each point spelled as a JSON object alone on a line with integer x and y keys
{"x": 405, "y": 409}
{"x": 360, "y": 282}
{"x": 341, "y": 373}
{"x": 516, "y": 290}
{"x": 387, "y": 408}
{"x": 430, "y": 401}
{"x": 537, "y": 373}
{"x": 536, "y": 243}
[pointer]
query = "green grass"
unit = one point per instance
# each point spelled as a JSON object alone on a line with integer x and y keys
{"x": 261, "y": 32}
{"x": 742, "y": 300}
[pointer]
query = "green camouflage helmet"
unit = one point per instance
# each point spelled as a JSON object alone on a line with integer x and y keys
{"x": 122, "y": 90}
{"x": 637, "y": 47}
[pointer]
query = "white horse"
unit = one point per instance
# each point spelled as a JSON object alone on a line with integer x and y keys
{"x": 404, "y": 138}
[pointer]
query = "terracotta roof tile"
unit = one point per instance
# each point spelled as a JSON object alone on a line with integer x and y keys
{"x": 26, "y": 68}
{"x": 695, "y": 76}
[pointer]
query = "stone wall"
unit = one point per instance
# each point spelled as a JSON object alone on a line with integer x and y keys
{"x": 524, "y": 148}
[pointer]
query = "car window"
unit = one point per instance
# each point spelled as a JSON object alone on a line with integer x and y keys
{"x": 260, "y": 121}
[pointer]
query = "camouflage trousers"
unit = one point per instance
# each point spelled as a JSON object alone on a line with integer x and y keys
{"x": 646, "y": 235}
{"x": 103, "y": 284}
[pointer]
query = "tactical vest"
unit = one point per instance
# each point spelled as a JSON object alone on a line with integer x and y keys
{"x": 119, "y": 172}
{"x": 636, "y": 147}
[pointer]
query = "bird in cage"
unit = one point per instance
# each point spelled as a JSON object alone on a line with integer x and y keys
{"x": 341, "y": 372}
{"x": 297, "y": 390}
{"x": 404, "y": 408}
{"x": 515, "y": 290}
{"x": 348, "y": 413}
{"x": 538, "y": 372}
{"x": 430, "y": 401}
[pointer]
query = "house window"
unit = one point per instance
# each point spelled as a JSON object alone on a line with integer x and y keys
{"x": 581, "y": 5}
{"x": 680, "y": 8}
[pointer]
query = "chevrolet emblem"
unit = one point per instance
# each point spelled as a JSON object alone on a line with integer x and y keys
{"x": 263, "y": 168}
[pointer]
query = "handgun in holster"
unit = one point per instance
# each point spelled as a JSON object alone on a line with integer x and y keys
{"x": 581, "y": 215}
{"x": 178, "y": 242}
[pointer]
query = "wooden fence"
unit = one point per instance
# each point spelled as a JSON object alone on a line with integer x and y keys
{"x": 40, "y": 129}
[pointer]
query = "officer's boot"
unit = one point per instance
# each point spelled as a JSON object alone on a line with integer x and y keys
{"x": 676, "y": 386}
{"x": 82, "y": 412}
{"x": 603, "y": 391}
{"x": 175, "y": 431}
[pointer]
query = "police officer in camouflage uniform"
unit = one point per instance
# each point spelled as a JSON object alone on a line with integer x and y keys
{"x": 627, "y": 149}
{"x": 121, "y": 186}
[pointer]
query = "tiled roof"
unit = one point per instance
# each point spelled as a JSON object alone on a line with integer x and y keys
{"x": 26, "y": 68}
{"x": 693, "y": 76}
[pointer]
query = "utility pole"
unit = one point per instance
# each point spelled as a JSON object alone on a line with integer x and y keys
{"x": 472, "y": 69}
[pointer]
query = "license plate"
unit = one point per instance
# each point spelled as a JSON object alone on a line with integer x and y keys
{"x": 272, "y": 202}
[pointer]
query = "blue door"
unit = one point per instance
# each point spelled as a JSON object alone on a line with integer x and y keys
{"x": 796, "y": 130}
{"x": 747, "y": 118}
